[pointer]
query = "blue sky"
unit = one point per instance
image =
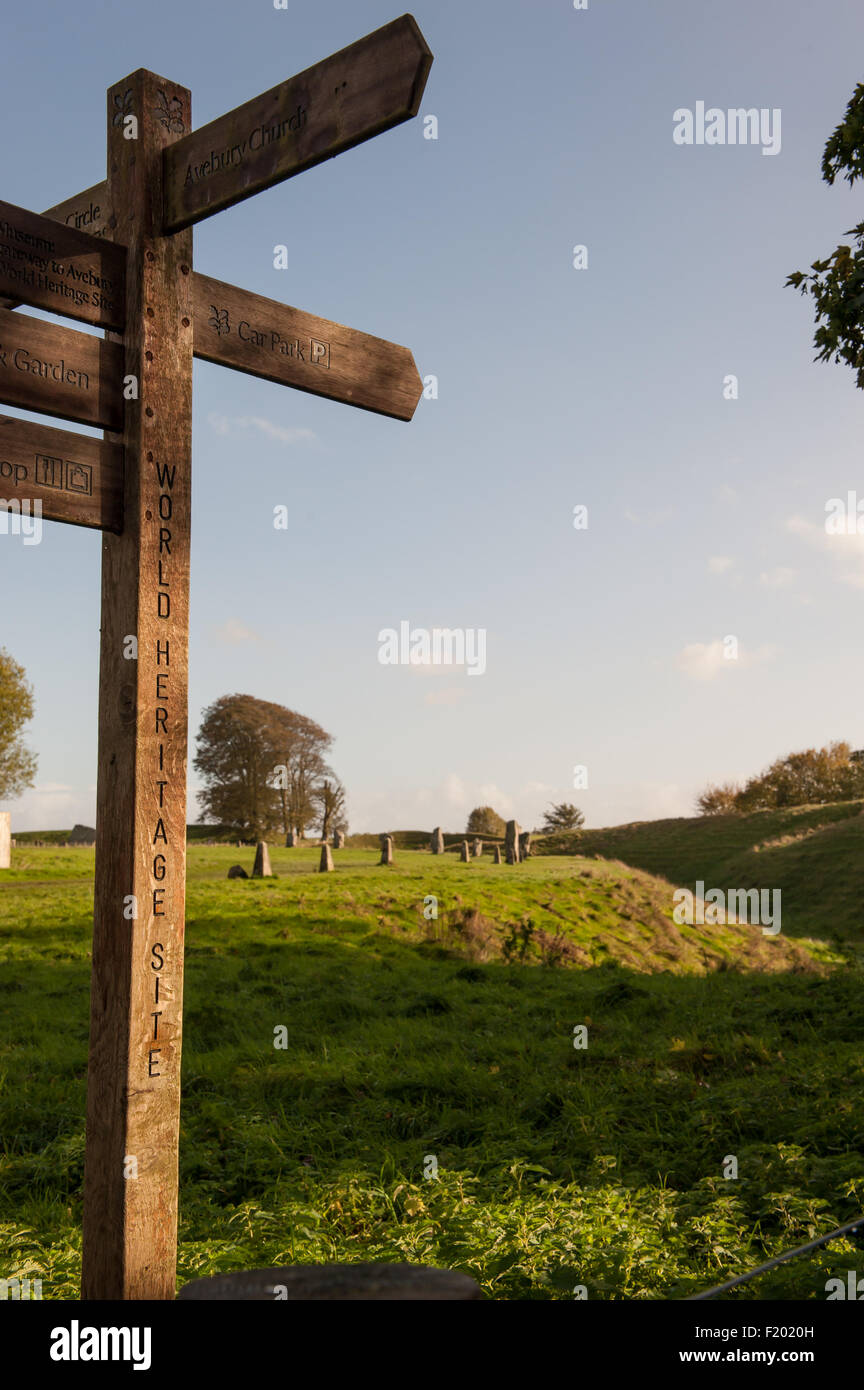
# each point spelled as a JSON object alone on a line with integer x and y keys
{"x": 557, "y": 387}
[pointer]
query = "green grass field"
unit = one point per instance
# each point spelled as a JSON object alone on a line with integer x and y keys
{"x": 453, "y": 1037}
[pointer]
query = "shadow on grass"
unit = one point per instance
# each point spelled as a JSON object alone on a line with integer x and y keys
{"x": 315, "y": 1142}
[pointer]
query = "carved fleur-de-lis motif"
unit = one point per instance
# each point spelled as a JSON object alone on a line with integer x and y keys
{"x": 170, "y": 113}
{"x": 122, "y": 106}
{"x": 219, "y": 320}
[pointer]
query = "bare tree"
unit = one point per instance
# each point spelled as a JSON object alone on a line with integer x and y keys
{"x": 330, "y": 800}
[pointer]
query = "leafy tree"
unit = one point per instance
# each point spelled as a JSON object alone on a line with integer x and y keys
{"x": 719, "y": 800}
{"x": 235, "y": 758}
{"x": 17, "y": 763}
{"x": 484, "y": 821}
{"x": 260, "y": 763}
{"x": 810, "y": 778}
{"x": 301, "y": 746}
{"x": 837, "y": 282}
{"x": 563, "y": 816}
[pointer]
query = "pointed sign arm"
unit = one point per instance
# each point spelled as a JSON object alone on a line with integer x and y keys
{"x": 357, "y": 93}
{"x": 73, "y": 477}
{"x": 235, "y": 328}
{"x": 55, "y": 266}
{"x": 250, "y": 333}
{"x": 59, "y": 371}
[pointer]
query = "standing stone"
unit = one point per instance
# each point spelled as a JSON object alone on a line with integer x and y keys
{"x": 339, "y": 839}
{"x": 436, "y": 844}
{"x": 326, "y": 864}
{"x": 5, "y": 839}
{"x": 465, "y": 852}
{"x": 511, "y": 842}
{"x": 478, "y": 848}
{"x": 262, "y": 868}
{"x": 497, "y": 856}
{"x": 386, "y": 849}
{"x": 237, "y": 871}
{"x": 525, "y": 845}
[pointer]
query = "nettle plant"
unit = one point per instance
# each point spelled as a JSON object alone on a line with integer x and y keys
{"x": 837, "y": 283}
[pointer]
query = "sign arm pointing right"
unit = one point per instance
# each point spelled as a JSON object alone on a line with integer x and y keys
{"x": 364, "y": 89}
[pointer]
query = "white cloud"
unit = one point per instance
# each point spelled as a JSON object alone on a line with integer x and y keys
{"x": 53, "y": 806}
{"x": 285, "y": 434}
{"x": 846, "y": 551}
{"x": 639, "y": 801}
{"x": 235, "y": 632}
{"x": 719, "y": 564}
{"x": 704, "y": 661}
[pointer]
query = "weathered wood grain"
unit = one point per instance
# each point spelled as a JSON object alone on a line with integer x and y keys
{"x": 271, "y": 340}
{"x": 292, "y": 348}
{"x": 357, "y": 93}
{"x": 58, "y": 371}
{"x": 75, "y": 478}
{"x": 51, "y": 266}
{"x": 133, "y": 1094}
{"x": 88, "y": 211}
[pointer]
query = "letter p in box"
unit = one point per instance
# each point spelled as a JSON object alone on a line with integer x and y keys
{"x": 319, "y": 354}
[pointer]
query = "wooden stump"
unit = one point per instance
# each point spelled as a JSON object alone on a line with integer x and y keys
{"x": 335, "y": 1284}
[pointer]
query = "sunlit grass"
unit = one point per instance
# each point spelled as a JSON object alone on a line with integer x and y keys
{"x": 409, "y": 1038}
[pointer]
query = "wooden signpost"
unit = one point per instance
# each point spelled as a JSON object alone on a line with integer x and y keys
{"x": 119, "y": 256}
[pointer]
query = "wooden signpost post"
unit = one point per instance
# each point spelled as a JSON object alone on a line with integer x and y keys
{"x": 119, "y": 256}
